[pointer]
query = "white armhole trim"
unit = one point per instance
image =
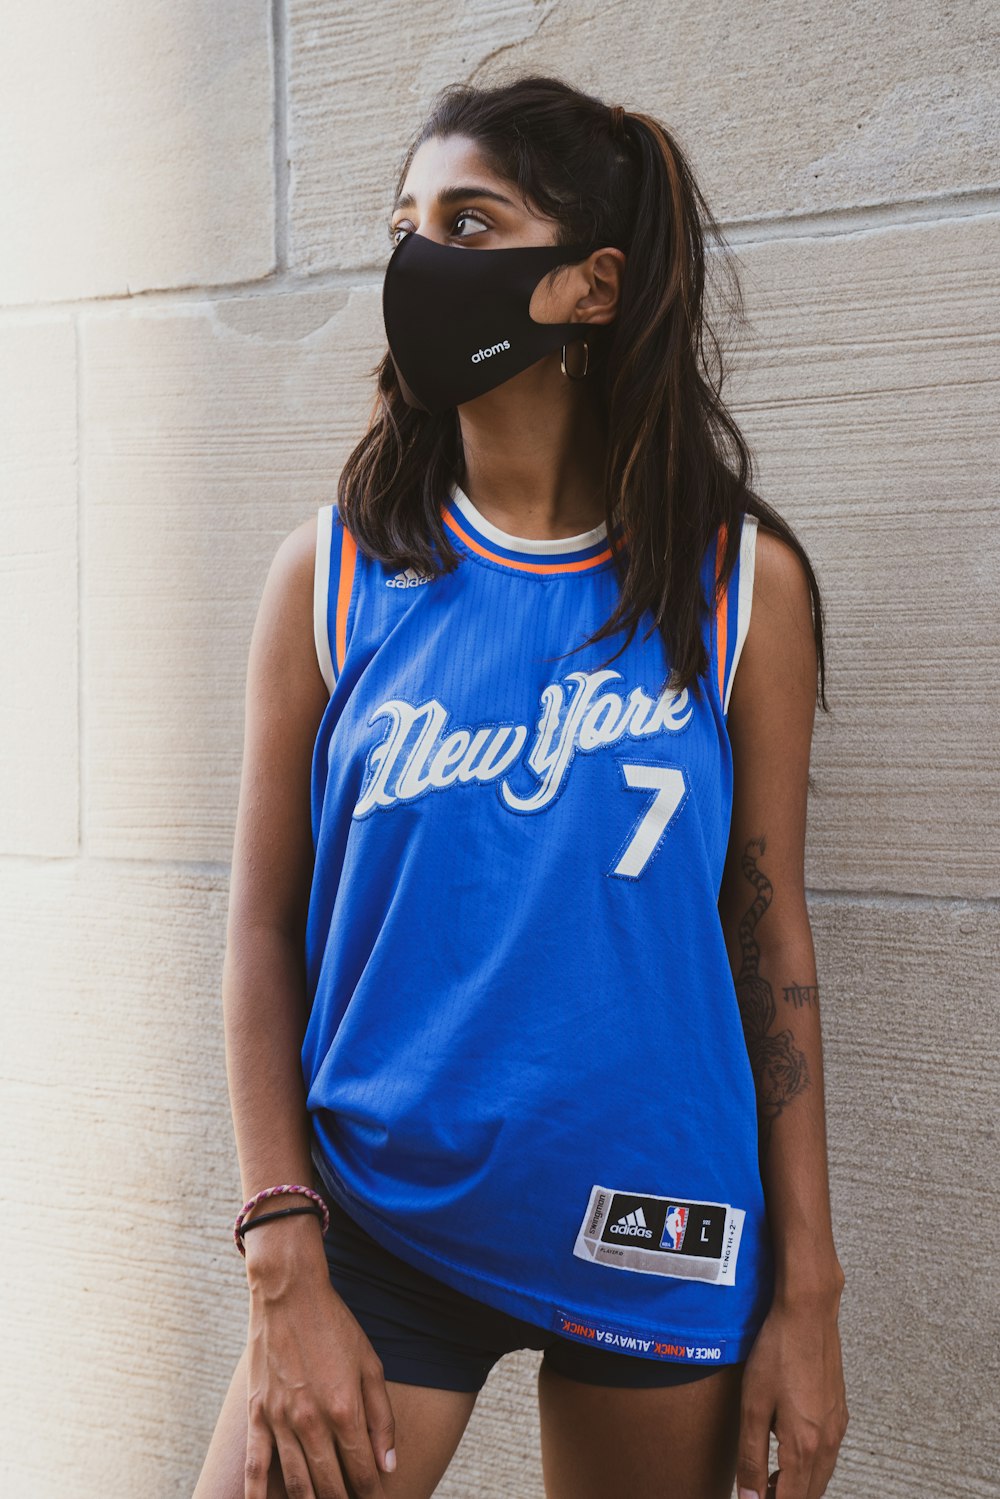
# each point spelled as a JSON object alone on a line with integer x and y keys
{"x": 744, "y": 600}
{"x": 321, "y": 594}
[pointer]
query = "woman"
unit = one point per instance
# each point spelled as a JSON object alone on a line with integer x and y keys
{"x": 520, "y": 992}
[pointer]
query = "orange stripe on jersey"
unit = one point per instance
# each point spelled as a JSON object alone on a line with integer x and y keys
{"x": 723, "y": 611}
{"x": 528, "y": 567}
{"x": 348, "y": 559}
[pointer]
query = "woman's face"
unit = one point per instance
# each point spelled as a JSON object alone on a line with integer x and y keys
{"x": 452, "y": 196}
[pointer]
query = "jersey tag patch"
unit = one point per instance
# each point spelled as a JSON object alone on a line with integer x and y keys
{"x": 661, "y": 1235}
{"x": 615, "y": 1338}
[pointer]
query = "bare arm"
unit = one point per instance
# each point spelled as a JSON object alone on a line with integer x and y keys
{"x": 793, "y": 1381}
{"x": 765, "y": 918}
{"x": 264, "y": 971}
{"x": 317, "y": 1406}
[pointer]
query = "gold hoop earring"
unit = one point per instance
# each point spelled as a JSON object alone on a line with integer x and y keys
{"x": 586, "y": 362}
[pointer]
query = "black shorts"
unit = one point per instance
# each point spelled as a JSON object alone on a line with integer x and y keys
{"x": 428, "y": 1333}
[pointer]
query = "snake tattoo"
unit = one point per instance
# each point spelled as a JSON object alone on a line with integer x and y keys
{"x": 778, "y": 1066}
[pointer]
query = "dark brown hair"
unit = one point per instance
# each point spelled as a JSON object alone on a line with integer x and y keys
{"x": 677, "y": 465}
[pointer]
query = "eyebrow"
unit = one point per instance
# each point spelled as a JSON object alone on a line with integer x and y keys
{"x": 450, "y": 195}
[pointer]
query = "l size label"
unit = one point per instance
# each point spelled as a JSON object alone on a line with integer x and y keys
{"x": 661, "y": 1235}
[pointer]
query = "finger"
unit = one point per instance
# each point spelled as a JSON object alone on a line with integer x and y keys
{"x": 357, "y": 1459}
{"x": 794, "y": 1478}
{"x": 381, "y": 1422}
{"x": 818, "y": 1480}
{"x": 826, "y": 1461}
{"x": 829, "y": 1449}
{"x": 257, "y": 1465}
{"x": 327, "y": 1472}
{"x": 295, "y": 1469}
{"x": 316, "y": 1441}
{"x": 752, "y": 1447}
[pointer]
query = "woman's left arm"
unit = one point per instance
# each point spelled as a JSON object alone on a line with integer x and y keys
{"x": 793, "y": 1381}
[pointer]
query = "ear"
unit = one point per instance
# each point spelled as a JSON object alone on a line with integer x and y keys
{"x": 604, "y": 271}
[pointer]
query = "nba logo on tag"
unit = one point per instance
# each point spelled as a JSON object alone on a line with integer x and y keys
{"x": 673, "y": 1228}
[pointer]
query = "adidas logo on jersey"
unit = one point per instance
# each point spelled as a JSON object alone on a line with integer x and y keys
{"x": 408, "y": 578}
{"x": 633, "y": 1225}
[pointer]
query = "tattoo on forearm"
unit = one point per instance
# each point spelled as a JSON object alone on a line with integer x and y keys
{"x": 779, "y": 1068}
{"x": 802, "y": 994}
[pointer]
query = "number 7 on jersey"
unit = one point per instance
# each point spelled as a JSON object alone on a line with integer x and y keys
{"x": 646, "y": 835}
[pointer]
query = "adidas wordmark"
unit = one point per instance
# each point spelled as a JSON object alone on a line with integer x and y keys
{"x": 408, "y": 578}
{"x": 634, "y": 1225}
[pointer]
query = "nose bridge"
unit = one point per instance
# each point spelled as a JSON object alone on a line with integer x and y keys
{"x": 436, "y": 239}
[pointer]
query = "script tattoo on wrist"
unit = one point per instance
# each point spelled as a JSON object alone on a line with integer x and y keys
{"x": 802, "y": 994}
{"x": 779, "y": 1067}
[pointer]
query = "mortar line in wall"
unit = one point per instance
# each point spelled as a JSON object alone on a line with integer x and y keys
{"x": 865, "y": 218}
{"x": 152, "y": 866}
{"x": 279, "y": 63}
{"x": 895, "y": 898}
{"x": 836, "y": 224}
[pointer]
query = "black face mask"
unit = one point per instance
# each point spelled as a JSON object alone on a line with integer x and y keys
{"x": 457, "y": 320}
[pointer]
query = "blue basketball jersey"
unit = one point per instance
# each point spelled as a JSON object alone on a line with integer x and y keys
{"x": 525, "y": 1064}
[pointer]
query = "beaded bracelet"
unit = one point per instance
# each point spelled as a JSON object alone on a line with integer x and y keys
{"x": 274, "y": 1192}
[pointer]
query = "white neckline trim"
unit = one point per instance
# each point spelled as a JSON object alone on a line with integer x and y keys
{"x": 513, "y": 543}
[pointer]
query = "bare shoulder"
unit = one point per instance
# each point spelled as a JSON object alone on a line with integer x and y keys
{"x": 781, "y": 585}
{"x": 778, "y": 666}
{"x": 283, "y": 645}
{"x": 294, "y": 559}
{"x": 285, "y": 700}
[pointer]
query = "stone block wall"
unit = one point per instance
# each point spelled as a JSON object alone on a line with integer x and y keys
{"x": 192, "y": 231}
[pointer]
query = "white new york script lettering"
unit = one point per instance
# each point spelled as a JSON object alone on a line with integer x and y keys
{"x": 418, "y": 755}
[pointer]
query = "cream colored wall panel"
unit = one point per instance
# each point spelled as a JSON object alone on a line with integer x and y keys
{"x": 871, "y": 398}
{"x": 784, "y": 109}
{"x": 39, "y": 810}
{"x": 123, "y": 1297}
{"x": 139, "y": 147}
{"x": 911, "y": 1016}
{"x": 210, "y": 434}
{"x": 343, "y": 160}
{"x": 142, "y": 157}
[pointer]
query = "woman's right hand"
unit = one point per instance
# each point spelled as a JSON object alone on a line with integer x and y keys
{"x": 315, "y": 1386}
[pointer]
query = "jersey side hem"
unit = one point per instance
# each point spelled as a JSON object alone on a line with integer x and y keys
{"x": 516, "y": 1301}
{"x": 321, "y": 594}
{"x": 744, "y": 596}
{"x": 334, "y": 591}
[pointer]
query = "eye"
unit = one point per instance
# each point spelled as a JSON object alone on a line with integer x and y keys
{"x": 473, "y": 218}
{"x": 466, "y": 216}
